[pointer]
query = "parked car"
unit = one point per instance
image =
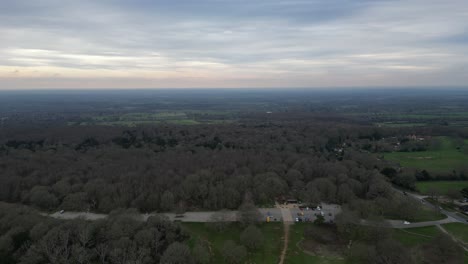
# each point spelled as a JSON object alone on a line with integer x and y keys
{"x": 62, "y": 211}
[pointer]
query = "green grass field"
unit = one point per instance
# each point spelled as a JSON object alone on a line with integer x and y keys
{"x": 188, "y": 117}
{"x": 272, "y": 232}
{"x": 443, "y": 160}
{"x": 399, "y": 124}
{"x": 442, "y": 186}
{"x": 426, "y": 214}
{"x": 295, "y": 255}
{"x": 415, "y": 236}
{"x": 458, "y": 230}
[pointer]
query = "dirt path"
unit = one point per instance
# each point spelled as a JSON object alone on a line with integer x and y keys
{"x": 453, "y": 237}
{"x": 287, "y": 221}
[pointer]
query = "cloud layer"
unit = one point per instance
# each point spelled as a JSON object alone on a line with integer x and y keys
{"x": 216, "y": 43}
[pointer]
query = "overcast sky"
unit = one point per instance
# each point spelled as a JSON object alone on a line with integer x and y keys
{"x": 244, "y": 43}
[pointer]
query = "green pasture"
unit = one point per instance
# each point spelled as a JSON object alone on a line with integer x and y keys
{"x": 188, "y": 117}
{"x": 442, "y": 160}
{"x": 441, "y": 186}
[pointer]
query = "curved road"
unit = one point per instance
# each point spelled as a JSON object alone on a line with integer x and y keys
{"x": 453, "y": 217}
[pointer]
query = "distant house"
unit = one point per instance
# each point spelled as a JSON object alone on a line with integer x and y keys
{"x": 291, "y": 201}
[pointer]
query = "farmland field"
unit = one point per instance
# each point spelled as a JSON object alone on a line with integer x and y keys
{"x": 443, "y": 160}
{"x": 189, "y": 117}
{"x": 442, "y": 186}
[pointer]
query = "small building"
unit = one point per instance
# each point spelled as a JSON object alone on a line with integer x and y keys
{"x": 291, "y": 201}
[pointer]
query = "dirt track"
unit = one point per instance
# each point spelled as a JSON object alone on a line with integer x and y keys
{"x": 287, "y": 221}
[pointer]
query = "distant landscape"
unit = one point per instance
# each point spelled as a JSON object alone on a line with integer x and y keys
{"x": 234, "y": 132}
{"x": 379, "y": 157}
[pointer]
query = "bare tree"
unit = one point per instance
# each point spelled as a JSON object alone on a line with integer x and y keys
{"x": 248, "y": 213}
{"x": 177, "y": 253}
{"x": 201, "y": 252}
{"x": 233, "y": 253}
{"x": 252, "y": 237}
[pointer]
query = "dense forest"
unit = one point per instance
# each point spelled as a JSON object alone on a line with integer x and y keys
{"x": 198, "y": 167}
{"x": 120, "y": 239}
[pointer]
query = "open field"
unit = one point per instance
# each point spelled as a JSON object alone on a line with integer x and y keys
{"x": 296, "y": 255}
{"x": 188, "y": 117}
{"x": 442, "y": 186}
{"x": 423, "y": 214}
{"x": 443, "y": 160}
{"x": 415, "y": 236}
{"x": 269, "y": 253}
{"x": 400, "y": 124}
{"x": 426, "y": 214}
{"x": 458, "y": 230}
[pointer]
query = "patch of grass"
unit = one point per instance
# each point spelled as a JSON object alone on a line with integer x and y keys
{"x": 398, "y": 124}
{"x": 188, "y": 117}
{"x": 426, "y": 214}
{"x": 295, "y": 255}
{"x": 183, "y": 122}
{"x": 415, "y": 236}
{"x": 459, "y": 230}
{"x": 442, "y": 186}
{"x": 422, "y": 214}
{"x": 269, "y": 253}
{"x": 442, "y": 160}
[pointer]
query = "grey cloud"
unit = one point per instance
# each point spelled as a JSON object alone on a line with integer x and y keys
{"x": 294, "y": 38}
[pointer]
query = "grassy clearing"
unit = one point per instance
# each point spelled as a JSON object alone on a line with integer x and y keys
{"x": 295, "y": 255}
{"x": 426, "y": 214}
{"x": 423, "y": 214}
{"x": 269, "y": 253}
{"x": 442, "y": 186}
{"x": 415, "y": 236}
{"x": 443, "y": 160}
{"x": 458, "y": 230}
{"x": 398, "y": 124}
{"x": 168, "y": 117}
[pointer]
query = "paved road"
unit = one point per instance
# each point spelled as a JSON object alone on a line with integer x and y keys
{"x": 399, "y": 223}
{"x": 275, "y": 214}
{"x": 451, "y": 215}
{"x": 76, "y": 215}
